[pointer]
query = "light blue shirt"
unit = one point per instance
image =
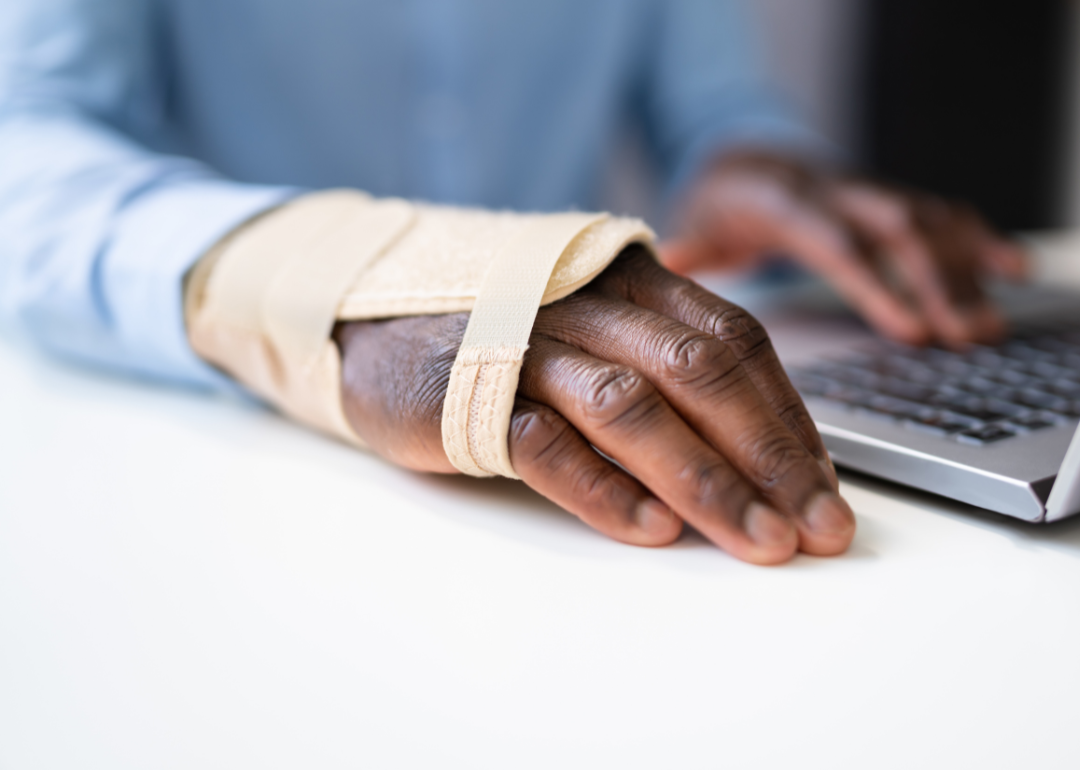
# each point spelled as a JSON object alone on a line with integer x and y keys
{"x": 135, "y": 133}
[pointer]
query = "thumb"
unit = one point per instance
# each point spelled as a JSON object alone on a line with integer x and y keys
{"x": 684, "y": 255}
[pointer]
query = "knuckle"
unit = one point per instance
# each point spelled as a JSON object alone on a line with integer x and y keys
{"x": 694, "y": 359}
{"x": 592, "y": 487}
{"x": 773, "y": 455}
{"x": 792, "y": 410}
{"x": 538, "y": 436}
{"x": 710, "y": 484}
{"x": 423, "y": 389}
{"x": 544, "y": 443}
{"x": 741, "y": 331}
{"x": 615, "y": 393}
{"x": 684, "y": 293}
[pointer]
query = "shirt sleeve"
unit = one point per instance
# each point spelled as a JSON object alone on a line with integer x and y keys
{"x": 98, "y": 230}
{"x": 706, "y": 89}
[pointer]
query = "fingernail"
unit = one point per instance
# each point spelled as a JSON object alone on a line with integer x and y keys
{"x": 766, "y": 527}
{"x": 830, "y": 472}
{"x": 653, "y": 516}
{"x": 829, "y": 514}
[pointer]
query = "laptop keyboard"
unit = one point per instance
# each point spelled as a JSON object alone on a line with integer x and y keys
{"x": 979, "y": 396}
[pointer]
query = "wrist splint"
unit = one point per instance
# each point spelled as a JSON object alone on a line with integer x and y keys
{"x": 263, "y": 303}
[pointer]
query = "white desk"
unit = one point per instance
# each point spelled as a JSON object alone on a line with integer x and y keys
{"x": 191, "y": 583}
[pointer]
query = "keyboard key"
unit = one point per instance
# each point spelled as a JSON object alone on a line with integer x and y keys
{"x": 1029, "y": 423}
{"x": 1048, "y": 371}
{"x": 1021, "y": 351}
{"x": 986, "y": 358}
{"x": 920, "y": 375}
{"x": 809, "y": 384}
{"x": 1043, "y": 400}
{"x": 848, "y": 374}
{"x": 893, "y": 407}
{"x": 956, "y": 367}
{"x": 1014, "y": 377}
{"x": 1005, "y": 408}
{"x": 1053, "y": 344}
{"x": 986, "y": 435}
{"x": 1064, "y": 386}
{"x": 852, "y": 397}
{"x": 970, "y": 406}
{"x": 1071, "y": 410}
{"x": 979, "y": 384}
{"x": 1028, "y": 384}
{"x": 940, "y": 423}
{"x": 905, "y": 390}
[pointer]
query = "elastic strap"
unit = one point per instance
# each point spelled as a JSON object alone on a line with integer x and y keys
{"x": 300, "y": 305}
{"x": 483, "y": 382}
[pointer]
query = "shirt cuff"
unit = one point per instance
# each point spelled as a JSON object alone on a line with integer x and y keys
{"x": 159, "y": 237}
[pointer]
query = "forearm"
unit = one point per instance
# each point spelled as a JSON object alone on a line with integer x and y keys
{"x": 98, "y": 230}
{"x": 98, "y": 236}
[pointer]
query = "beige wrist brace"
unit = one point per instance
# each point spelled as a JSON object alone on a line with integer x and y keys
{"x": 263, "y": 303}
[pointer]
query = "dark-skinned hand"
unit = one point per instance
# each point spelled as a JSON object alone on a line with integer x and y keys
{"x": 679, "y": 387}
{"x": 913, "y": 265}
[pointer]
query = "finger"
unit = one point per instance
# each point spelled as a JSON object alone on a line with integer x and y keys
{"x": 973, "y": 247}
{"x": 934, "y": 248}
{"x": 688, "y": 255}
{"x": 989, "y": 252}
{"x": 640, "y": 280}
{"x": 618, "y": 411}
{"x": 816, "y": 239}
{"x": 1005, "y": 259}
{"x": 889, "y": 224}
{"x": 769, "y": 213}
{"x": 957, "y": 237}
{"x": 553, "y": 458}
{"x": 700, "y": 378}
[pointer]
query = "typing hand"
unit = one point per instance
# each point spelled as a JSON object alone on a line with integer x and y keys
{"x": 913, "y": 265}
{"x": 678, "y": 386}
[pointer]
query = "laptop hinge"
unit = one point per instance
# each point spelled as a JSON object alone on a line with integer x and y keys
{"x": 1064, "y": 498}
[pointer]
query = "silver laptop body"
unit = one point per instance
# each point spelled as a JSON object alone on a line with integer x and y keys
{"x": 1031, "y": 474}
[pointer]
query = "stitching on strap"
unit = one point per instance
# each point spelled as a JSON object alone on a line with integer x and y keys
{"x": 488, "y": 362}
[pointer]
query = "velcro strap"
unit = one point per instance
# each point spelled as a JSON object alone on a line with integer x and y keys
{"x": 272, "y": 299}
{"x": 483, "y": 382}
{"x": 300, "y": 305}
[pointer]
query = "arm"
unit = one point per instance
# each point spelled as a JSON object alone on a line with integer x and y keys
{"x": 913, "y": 265}
{"x": 98, "y": 229}
{"x": 677, "y": 386}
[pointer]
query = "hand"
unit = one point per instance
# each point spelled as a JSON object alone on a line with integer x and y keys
{"x": 913, "y": 265}
{"x": 677, "y": 386}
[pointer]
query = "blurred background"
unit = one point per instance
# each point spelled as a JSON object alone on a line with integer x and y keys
{"x": 975, "y": 99}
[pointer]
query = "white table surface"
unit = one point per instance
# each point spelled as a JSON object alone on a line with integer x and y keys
{"x": 189, "y": 582}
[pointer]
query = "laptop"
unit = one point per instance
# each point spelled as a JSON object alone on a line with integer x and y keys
{"x": 991, "y": 426}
